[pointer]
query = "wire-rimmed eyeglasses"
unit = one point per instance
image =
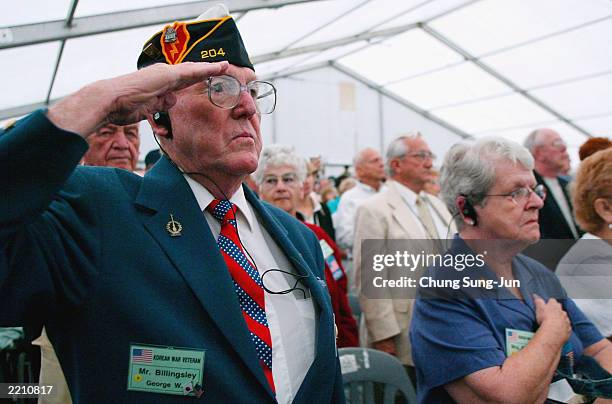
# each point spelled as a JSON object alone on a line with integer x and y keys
{"x": 521, "y": 195}
{"x": 423, "y": 155}
{"x": 288, "y": 179}
{"x": 224, "y": 92}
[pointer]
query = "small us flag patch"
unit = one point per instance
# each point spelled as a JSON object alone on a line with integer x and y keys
{"x": 142, "y": 355}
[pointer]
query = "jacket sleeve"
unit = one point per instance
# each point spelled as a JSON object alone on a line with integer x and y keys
{"x": 348, "y": 335}
{"x": 46, "y": 230}
{"x": 338, "y": 395}
{"x": 379, "y": 313}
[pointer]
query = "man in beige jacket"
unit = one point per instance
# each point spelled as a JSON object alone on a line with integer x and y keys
{"x": 402, "y": 211}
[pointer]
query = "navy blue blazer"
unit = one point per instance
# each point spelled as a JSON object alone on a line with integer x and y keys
{"x": 85, "y": 251}
{"x": 552, "y": 222}
{"x": 556, "y": 237}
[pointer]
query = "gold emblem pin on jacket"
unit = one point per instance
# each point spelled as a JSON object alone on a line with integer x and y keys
{"x": 174, "y": 227}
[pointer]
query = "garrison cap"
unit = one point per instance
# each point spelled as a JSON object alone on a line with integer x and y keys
{"x": 213, "y": 37}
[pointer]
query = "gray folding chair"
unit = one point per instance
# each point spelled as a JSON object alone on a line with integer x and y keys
{"x": 362, "y": 368}
{"x": 355, "y": 307}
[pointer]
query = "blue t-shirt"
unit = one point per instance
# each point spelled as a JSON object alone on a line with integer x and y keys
{"x": 452, "y": 338}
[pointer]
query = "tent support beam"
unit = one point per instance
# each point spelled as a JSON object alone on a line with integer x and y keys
{"x": 321, "y": 46}
{"x": 292, "y": 71}
{"x": 381, "y": 123}
{"x": 487, "y": 69}
{"x": 31, "y": 34}
{"x": 68, "y": 24}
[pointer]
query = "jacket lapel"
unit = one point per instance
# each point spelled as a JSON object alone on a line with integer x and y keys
{"x": 280, "y": 236}
{"x": 552, "y": 206}
{"x": 402, "y": 214}
{"x": 564, "y": 187}
{"x": 195, "y": 255}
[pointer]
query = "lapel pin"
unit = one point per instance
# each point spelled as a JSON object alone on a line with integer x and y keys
{"x": 174, "y": 227}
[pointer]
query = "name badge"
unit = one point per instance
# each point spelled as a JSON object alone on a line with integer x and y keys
{"x": 516, "y": 340}
{"x": 326, "y": 248}
{"x": 330, "y": 260}
{"x": 166, "y": 370}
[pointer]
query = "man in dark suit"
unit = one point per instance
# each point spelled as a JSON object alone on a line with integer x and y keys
{"x": 556, "y": 218}
{"x": 553, "y": 223}
{"x": 153, "y": 288}
{"x": 549, "y": 152}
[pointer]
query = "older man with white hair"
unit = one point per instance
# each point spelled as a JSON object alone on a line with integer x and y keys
{"x": 550, "y": 156}
{"x": 151, "y": 288}
{"x": 402, "y": 211}
{"x": 369, "y": 170}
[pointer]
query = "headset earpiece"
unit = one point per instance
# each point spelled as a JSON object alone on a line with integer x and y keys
{"x": 469, "y": 212}
{"x": 161, "y": 118}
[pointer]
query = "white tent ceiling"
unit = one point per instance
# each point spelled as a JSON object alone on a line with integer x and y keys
{"x": 477, "y": 66}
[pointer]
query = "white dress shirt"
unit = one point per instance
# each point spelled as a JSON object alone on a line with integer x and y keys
{"x": 344, "y": 218}
{"x": 291, "y": 318}
{"x": 410, "y": 197}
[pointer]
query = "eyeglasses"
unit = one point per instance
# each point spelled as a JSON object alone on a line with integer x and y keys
{"x": 423, "y": 155}
{"x": 521, "y": 195}
{"x": 289, "y": 180}
{"x": 556, "y": 144}
{"x": 224, "y": 92}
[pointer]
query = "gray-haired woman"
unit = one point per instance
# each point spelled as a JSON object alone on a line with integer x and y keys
{"x": 501, "y": 344}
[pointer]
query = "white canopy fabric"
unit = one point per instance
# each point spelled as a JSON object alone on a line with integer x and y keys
{"x": 477, "y": 67}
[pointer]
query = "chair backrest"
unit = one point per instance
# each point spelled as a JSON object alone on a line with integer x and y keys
{"x": 363, "y": 367}
{"x": 355, "y": 307}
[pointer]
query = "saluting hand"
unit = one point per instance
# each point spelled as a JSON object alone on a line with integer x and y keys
{"x": 130, "y": 98}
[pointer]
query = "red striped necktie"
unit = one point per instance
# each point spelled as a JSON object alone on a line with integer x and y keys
{"x": 247, "y": 283}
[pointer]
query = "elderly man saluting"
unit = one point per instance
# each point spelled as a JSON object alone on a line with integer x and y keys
{"x": 150, "y": 288}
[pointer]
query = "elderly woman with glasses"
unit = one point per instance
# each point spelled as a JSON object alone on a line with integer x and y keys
{"x": 310, "y": 205}
{"x": 280, "y": 176}
{"x": 500, "y": 335}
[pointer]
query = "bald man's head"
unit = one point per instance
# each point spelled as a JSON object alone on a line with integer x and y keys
{"x": 369, "y": 167}
{"x": 549, "y": 152}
